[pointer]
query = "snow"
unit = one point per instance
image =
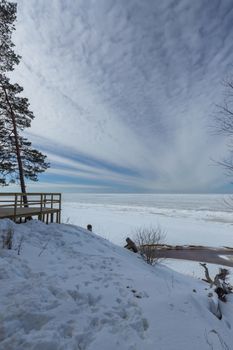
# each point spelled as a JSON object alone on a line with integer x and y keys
{"x": 194, "y": 269}
{"x": 72, "y": 289}
{"x": 182, "y": 226}
{"x": 226, "y": 257}
{"x": 186, "y": 219}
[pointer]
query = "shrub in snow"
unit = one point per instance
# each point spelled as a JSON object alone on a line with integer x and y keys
{"x": 146, "y": 239}
{"x": 7, "y": 238}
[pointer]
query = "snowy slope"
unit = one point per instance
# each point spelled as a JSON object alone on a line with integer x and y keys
{"x": 72, "y": 290}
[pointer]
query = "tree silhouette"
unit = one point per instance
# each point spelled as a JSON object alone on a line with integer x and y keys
{"x": 18, "y": 160}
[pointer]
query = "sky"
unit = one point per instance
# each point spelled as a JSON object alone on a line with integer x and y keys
{"x": 124, "y": 92}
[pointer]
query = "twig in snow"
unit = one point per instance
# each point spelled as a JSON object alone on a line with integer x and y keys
{"x": 44, "y": 247}
{"x": 20, "y": 245}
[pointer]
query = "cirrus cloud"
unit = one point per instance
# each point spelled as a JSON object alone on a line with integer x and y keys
{"x": 124, "y": 91}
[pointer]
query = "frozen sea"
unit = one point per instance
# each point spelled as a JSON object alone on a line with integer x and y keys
{"x": 204, "y": 219}
{"x": 209, "y": 202}
{"x": 186, "y": 218}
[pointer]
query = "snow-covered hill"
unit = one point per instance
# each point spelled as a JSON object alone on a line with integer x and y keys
{"x": 70, "y": 289}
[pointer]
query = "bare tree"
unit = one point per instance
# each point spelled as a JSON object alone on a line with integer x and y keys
{"x": 224, "y": 125}
{"x": 147, "y": 238}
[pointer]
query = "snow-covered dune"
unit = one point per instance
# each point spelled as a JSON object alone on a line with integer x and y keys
{"x": 70, "y": 289}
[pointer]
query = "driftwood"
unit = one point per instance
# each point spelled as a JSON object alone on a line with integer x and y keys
{"x": 131, "y": 245}
{"x": 207, "y": 275}
{"x": 222, "y": 287}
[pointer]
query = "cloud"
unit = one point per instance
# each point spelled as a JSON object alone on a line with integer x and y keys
{"x": 126, "y": 90}
{"x": 58, "y": 187}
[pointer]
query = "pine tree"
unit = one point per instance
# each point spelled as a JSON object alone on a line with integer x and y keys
{"x": 18, "y": 160}
{"x": 8, "y": 58}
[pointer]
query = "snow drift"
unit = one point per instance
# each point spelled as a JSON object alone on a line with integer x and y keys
{"x": 71, "y": 289}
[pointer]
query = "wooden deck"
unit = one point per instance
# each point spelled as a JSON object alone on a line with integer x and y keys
{"x": 44, "y": 206}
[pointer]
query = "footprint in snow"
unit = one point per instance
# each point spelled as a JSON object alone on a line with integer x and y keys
{"x": 138, "y": 295}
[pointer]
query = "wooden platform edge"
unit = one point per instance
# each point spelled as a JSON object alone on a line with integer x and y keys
{"x": 48, "y": 207}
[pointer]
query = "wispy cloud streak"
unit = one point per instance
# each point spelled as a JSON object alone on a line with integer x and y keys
{"x": 129, "y": 85}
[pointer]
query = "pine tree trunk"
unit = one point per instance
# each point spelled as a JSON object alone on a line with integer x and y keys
{"x": 17, "y": 148}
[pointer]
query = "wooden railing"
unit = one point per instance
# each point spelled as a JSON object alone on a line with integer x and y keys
{"x": 43, "y": 205}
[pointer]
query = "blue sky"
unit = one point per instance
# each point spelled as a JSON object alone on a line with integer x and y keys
{"x": 124, "y": 92}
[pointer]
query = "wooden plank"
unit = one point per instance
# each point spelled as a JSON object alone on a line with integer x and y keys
{"x": 10, "y": 194}
{"x": 10, "y": 212}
